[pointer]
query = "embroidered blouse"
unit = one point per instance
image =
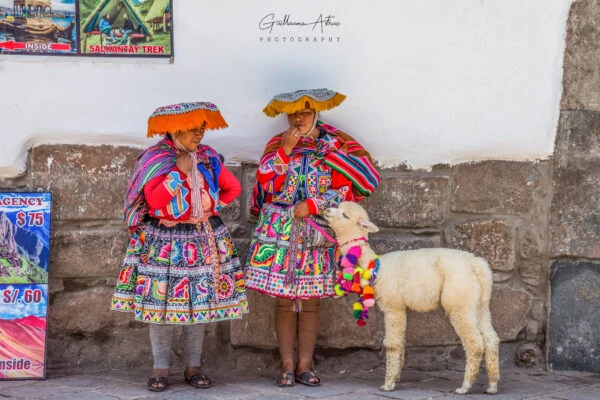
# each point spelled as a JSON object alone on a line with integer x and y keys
{"x": 303, "y": 176}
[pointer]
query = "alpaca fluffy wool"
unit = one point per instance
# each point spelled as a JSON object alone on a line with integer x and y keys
{"x": 422, "y": 280}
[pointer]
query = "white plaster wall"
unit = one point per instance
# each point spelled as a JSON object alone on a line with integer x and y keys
{"x": 428, "y": 81}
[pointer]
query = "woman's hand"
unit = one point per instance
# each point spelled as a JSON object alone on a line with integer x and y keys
{"x": 301, "y": 210}
{"x": 184, "y": 162}
{"x": 290, "y": 139}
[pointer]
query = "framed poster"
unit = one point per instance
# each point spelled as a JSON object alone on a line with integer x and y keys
{"x": 24, "y": 259}
{"x": 38, "y": 27}
{"x": 126, "y": 27}
{"x": 87, "y": 27}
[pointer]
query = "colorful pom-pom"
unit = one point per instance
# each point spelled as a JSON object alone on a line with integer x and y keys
{"x": 348, "y": 261}
{"x": 353, "y": 278}
{"x": 369, "y": 302}
{"x": 349, "y": 270}
{"x": 355, "y": 251}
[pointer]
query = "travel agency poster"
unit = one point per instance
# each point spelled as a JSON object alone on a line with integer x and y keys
{"x": 87, "y": 27}
{"x": 24, "y": 259}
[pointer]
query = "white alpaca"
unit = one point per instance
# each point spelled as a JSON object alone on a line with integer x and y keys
{"x": 421, "y": 280}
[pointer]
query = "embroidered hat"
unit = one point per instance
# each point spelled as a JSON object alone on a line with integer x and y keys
{"x": 317, "y": 99}
{"x": 183, "y": 117}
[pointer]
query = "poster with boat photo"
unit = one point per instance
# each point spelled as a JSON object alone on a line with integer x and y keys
{"x": 126, "y": 27}
{"x": 38, "y": 27}
{"x": 24, "y": 259}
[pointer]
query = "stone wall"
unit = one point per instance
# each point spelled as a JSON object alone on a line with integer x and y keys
{"x": 496, "y": 209}
{"x": 574, "y": 328}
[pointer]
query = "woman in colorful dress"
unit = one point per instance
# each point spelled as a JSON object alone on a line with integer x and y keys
{"x": 304, "y": 170}
{"x": 181, "y": 267}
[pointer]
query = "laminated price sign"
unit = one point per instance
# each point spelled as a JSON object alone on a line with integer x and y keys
{"x": 24, "y": 259}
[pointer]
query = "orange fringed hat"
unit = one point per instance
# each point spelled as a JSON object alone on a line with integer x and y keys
{"x": 317, "y": 99}
{"x": 183, "y": 117}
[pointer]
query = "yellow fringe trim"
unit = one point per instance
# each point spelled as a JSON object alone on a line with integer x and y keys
{"x": 163, "y": 124}
{"x": 276, "y": 107}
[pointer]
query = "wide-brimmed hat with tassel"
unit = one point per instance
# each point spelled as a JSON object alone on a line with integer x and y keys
{"x": 317, "y": 99}
{"x": 184, "y": 117}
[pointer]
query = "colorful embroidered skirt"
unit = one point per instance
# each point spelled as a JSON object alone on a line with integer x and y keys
{"x": 281, "y": 261}
{"x": 185, "y": 274}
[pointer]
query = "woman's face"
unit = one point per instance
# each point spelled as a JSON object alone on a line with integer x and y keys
{"x": 302, "y": 120}
{"x": 191, "y": 139}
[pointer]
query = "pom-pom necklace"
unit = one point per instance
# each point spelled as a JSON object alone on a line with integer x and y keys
{"x": 348, "y": 281}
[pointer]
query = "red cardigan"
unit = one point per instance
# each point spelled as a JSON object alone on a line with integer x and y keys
{"x": 162, "y": 190}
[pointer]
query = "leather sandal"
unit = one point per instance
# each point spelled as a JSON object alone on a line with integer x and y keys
{"x": 285, "y": 379}
{"x": 305, "y": 379}
{"x": 199, "y": 381}
{"x": 157, "y": 384}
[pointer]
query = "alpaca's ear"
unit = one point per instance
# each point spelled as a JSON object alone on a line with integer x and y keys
{"x": 368, "y": 225}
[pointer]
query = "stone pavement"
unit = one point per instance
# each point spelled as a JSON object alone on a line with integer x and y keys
{"x": 515, "y": 384}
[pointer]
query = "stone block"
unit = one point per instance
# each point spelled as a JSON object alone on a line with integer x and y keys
{"x": 233, "y": 210}
{"x": 117, "y": 348}
{"x": 574, "y": 331}
{"x": 385, "y": 243}
{"x": 258, "y": 329}
{"x": 533, "y": 273}
{"x": 248, "y": 181}
{"x": 577, "y": 140}
{"x": 85, "y": 312}
{"x": 501, "y": 276}
{"x": 532, "y": 240}
{"x": 429, "y": 329}
{"x": 242, "y": 246}
{"x": 87, "y": 182}
{"x": 56, "y": 285}
{"x": 499, "y": 187}
{"x": 338, "y": 328}
{"x": 409, "y": 202}
{"x": 88, "y": 253}
{"x": 241, "y": 230}
{"x": 510, "y": 307}
{"x": 581, "y": 64}
{"x": 490, "y": 239}
{"x": 574, "y": 213}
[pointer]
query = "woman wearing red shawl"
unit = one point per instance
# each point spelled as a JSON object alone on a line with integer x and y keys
{"x": 180, "y": 267}
{"x": 304, "y": 170}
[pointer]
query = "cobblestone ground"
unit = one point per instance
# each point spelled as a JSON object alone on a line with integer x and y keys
{"x": 515, "y": 384}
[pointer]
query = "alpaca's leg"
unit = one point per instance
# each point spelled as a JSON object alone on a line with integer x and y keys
{"x": 395, "y": 329}
{"x": 465, "y": 324}
{"x": 491, "y": 343}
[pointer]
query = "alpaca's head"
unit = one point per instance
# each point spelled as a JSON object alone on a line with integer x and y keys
{"x": 349, "y": 220}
